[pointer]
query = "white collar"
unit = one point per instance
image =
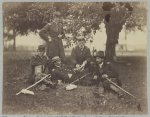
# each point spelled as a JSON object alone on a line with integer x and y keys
{"x": 100, "y": 65}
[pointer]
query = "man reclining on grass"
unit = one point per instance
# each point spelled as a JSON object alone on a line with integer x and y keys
{"x": 60, "y": 72}
{"x": 38, "y": 66}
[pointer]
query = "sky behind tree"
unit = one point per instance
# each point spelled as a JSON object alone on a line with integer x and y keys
{"x": 135, "y": 40}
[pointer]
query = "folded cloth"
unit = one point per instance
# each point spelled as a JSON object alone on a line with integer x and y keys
{"x": 71, "y": 87}
{"x": 25, "y": 91}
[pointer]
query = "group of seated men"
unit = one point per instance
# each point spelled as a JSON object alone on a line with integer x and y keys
{"x": 81, "y": 59}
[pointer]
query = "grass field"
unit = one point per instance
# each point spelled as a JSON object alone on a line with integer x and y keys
{"x": 82, "y": 100}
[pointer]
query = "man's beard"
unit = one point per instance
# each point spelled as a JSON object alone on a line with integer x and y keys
{"x": 58, "y": 64}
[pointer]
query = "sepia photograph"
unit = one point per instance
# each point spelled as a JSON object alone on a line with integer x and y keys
{"x": 75, "y": 58}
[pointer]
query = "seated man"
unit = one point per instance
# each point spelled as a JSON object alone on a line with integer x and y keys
{"x": 80, "y": 54}
{"x": 38, "y": 63}
{"x": 60, "y": 72}
{"x": 103, "y": 70}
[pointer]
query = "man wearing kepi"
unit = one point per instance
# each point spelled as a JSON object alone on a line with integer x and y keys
{"x": 81, "y": 54}
{"x": 52, "y": 33}
{"x": 60, "y": 72}
{"x": 38, "y": 65}
{"x": 102, "y": 71}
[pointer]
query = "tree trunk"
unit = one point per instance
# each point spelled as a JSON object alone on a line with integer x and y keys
{"x": 110, "y": 51}
{"x": 112, "y": 32}
{"x": 112, "y": 39}
{"x": 14, "y": 40}
{"x": 113, "y": 24}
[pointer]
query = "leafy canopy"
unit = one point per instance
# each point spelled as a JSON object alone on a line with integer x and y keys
{"x": 79, "y": 18}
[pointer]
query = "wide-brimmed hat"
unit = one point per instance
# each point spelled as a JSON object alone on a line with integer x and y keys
{"x": 41, "y": 48}
{"x": 80, "y": 38}
{"x": 55, "y": 59}
{"x": 100, "y": 54}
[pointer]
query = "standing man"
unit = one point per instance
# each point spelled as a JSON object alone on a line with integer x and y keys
{"x": 81, "y": 54}
{"x": 52, "y": 33}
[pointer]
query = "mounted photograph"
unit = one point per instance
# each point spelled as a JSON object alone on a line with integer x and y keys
{"x": 75, "y": 58}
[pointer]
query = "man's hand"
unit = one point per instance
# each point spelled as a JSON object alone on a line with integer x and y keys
{"x": 60, "y": 36}
{"x": 69, "y": 75}
{"x": 77, "y": 65}
{"x": 104, "y": 76}
{"x": 95, "y": 77}
{"x": 81, "y": 68}
{"x": 53, "y": 70}
{"x": 49, "y": 39}
{"x": 78, "y": 68}
{"x": 84, "y": 63}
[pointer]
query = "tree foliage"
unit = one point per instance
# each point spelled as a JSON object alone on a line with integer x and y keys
{"x": 78, "y": 18}
{"x": 15, "y": 17}
{"x": 138, "y": 18}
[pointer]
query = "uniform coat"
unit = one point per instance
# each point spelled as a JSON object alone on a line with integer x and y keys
{"x": 61, "y": 73}
{"x": 79, "y": 55}
{"x": 36, "y": 60}
{"x": 106, "y": 68}
{"x": 55, "y": 46}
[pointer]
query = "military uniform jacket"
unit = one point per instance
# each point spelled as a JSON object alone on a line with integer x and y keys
{"x": 106, "y": 68}
{"x": 35, "y": 61}
{"x": 61, "y": 73}
{"x": 54, "y": 47}
{"x": 79, "y": 55}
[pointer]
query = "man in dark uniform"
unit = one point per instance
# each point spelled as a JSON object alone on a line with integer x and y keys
{"x": 52, "y": 33}
{"x": 60, "y": 72}
{"x": 81, "y": 54}
{"x": 103, "y": 70}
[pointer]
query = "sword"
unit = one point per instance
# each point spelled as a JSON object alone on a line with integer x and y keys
{"x": 138, "y": 106}
{"x": 120, "y": 87}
